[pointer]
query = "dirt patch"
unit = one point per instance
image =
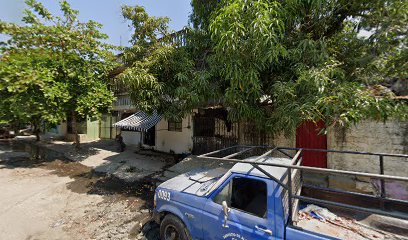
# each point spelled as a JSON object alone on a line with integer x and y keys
{"x": 63, "y": 199}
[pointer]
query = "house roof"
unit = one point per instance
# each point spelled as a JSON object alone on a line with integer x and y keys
{"x": 139, "y": 121}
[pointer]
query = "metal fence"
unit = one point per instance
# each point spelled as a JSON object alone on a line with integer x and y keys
{"x": 211, "y": 133}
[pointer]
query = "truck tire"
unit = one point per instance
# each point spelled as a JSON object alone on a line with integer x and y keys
{"x": 172, "y": 228}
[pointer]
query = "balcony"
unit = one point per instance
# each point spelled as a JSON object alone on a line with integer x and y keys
{"x": 122, "y": 102}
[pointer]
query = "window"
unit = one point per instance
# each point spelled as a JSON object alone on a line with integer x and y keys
{"x": 245, "y": 194}
{"x": 175, "y": 126}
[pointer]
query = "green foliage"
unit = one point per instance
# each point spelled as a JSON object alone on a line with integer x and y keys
{"x": 29, "y": 93}
{"x": 52, "y": 66}
{"x": 280, "y": 63}
{"x": 277, "y": 63}
{"x": 159, "y": 74}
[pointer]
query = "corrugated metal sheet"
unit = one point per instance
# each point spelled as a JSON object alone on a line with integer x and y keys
{"x": 139, "y": 121}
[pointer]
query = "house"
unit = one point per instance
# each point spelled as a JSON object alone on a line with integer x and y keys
{"x": 88, "y": 130}
{"x": 139, "y": 128}
{"x": 207, "y": 129}
{"x": 154, "y": 132}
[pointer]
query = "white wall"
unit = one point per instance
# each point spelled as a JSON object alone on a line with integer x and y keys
{"x": 92, "y": 129}
{"x": 62, "y": 129}
{"x": 179, "y": 142}
{"x": 131, "y": 138}
{"x": 59, "y": 131}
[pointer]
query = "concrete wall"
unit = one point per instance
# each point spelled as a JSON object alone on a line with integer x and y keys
{"x": 282, "y": 141}
{"x": 370, "y": 136}
{"x": 82, "y": 137}
{"x": 179, "y": 142}
{"x": 367, "y": 136}
{"x": 131, "y": 138}
{"x": 249, "y": 135}
{"x": 92, "y": 129}
{"x": 58, "y": 131}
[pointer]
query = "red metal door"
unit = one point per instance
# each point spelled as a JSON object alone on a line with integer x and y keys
{"x": 307, "y": 137}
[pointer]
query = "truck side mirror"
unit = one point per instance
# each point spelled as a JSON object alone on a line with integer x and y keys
{"x": 226, "y": 212}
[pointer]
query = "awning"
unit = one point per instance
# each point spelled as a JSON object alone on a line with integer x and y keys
{"x": 139, "y": 121}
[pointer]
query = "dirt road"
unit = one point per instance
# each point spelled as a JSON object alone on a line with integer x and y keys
{"x": 60, "y": 199}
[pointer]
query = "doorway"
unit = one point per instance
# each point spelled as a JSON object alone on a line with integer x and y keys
{"x": 307, "y": 136}
{"x": 149, "y": 137}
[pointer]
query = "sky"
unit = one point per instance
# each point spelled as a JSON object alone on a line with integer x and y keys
{"x": 108, "y": 13}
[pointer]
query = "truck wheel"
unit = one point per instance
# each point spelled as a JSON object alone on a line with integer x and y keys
{"x": 172, "y": 228}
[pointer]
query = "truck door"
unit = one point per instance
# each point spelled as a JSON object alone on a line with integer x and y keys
{"x": 247, "y": 200}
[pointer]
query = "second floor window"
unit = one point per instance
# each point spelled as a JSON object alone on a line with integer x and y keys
{"x": 175, "y": 126}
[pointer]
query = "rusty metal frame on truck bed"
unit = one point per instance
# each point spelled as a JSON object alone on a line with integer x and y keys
{"x": 295, "y": 167}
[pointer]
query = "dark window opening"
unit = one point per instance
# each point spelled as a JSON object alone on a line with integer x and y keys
{"x": 150, "y": 136}
{"x": 245, "y": 194}
{"x": 175, "y": 126}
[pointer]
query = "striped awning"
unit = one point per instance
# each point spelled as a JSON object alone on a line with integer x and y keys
{"x": 139, "y": 121}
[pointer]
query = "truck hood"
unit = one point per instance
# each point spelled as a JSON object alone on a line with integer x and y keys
{"x": 196, "y": 182}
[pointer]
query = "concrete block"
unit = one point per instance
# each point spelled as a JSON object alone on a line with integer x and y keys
{"x": 365, "y": 187}
{"x": 320, "y": 180}
{"x": 346, "y": 183}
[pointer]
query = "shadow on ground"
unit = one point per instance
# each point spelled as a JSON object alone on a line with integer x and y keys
{"x": 85, "y": 179}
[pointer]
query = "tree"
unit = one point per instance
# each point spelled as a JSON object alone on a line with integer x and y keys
{"x": 28, "y": 91}
{"x": 277, "y": 63}
{"x": 284, "y": 62}
{"x": 160, "y": 74}
{"x": 68, "y": 66}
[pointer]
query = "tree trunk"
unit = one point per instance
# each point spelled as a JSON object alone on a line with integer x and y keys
{"x": 75, "y": 131}
{"x": 15, "y": 128}
{"x": 36, "y": 131}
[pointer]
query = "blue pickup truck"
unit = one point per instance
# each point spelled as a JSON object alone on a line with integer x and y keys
{"x": 242, "y": 202}
{"x": 237, "y": 203}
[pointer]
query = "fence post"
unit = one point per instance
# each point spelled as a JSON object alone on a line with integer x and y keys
{"x": 290, "y": 196}
{"x": 301, "y": 171}
{"x": 382, "y": 182}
